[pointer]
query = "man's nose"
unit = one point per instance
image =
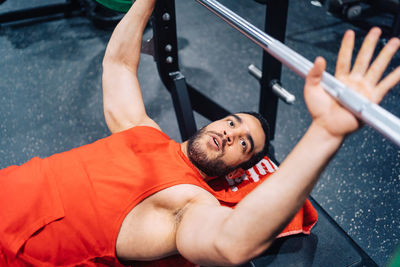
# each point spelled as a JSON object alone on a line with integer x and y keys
{"x": 229, "y": 136}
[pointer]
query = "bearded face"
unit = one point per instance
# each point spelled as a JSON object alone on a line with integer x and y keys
{"x": 199, "y": 156}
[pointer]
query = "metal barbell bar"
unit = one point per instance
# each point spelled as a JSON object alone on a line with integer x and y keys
{"x": 372, "y": 114}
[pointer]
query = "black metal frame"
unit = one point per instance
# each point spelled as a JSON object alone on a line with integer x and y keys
{"x": 275, "y": 26}
{"x": 186, "y": 98}
{"x": 41, "y": 11}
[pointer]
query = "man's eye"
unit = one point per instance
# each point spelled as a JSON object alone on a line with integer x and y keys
{"x": 231, "y": 123}
{"x": 243, "y": 143}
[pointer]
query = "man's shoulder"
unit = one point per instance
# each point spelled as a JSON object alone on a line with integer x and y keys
{"x": 144, "y": 132}
{"x": 184, "y": 194}
{"x": 145, "y": 123}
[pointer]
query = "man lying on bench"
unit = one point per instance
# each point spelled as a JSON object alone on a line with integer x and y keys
{"x": 137, "y": 195}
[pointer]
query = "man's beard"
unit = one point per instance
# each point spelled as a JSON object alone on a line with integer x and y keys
{"x": 199, "y": 157}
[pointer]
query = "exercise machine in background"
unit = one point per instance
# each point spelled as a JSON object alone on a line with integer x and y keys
{"x": 353, "y": 11}
{"x": 101, "y": 15}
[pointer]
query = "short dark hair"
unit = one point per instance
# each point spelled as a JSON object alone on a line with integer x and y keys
{"x": 257, "y": 156}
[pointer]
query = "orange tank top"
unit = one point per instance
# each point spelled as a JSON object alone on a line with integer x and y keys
{"x": 67, "y": 209}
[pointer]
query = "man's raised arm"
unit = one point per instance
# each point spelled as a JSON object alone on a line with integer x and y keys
{"x": 212, "y": 235}
{"x": 122, "y": 97}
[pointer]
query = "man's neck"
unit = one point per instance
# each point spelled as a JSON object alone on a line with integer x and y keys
{"x": 184, "y": 149}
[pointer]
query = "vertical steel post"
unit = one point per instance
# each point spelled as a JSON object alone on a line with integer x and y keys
{"x": 275, "y": 25}
{"x": 166, "y": 56}
{"x": 183, "y": 108}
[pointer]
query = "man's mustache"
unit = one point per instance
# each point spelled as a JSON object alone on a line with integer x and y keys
{"x": 224, "y": 141}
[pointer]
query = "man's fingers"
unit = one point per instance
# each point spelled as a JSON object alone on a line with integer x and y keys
{"x": 386, "y": 84}
{"x": 382, "y": 61}
{"x": 367, "y": 50}
{"x": 345, "y": 53}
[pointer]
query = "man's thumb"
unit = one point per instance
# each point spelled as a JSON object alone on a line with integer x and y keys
{"x": 314, "y": 76}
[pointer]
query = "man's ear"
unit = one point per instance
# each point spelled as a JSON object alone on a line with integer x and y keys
{"x": 235, "y": 173}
